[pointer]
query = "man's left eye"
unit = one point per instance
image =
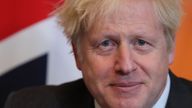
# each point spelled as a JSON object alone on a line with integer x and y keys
{"x": 140, "y": 42}
{"x": 142, "y": 45}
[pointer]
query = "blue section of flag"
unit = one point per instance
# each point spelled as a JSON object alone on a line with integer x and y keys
{"x": 32, "y": 73}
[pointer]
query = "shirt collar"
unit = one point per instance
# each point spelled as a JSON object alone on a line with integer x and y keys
{"x": 97, "y": 105}
{"x": 161, "y": 103}
{"x": 162, "y": 100}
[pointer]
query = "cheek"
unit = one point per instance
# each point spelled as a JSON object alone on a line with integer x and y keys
{"x": 97, "y": 67}
{"x": 154, "y": 64}
{"x": 97, "y": 73}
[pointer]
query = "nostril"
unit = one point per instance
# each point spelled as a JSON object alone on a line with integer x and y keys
{"x": 122, "y": 72}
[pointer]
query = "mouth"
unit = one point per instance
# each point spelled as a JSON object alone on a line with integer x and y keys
{"x": 126, "y": 87}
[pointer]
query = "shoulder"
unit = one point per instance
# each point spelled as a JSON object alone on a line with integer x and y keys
{"x": 48, "y": 96}
{"x": 178, "y": 83}
{"x": 187, "y": 83}
{"x": 180, "y": 95}
{"x": 51, "y": 90}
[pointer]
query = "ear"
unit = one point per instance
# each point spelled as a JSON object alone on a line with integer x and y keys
{"x": 76, "y": 55}
{"x": 172, "y": 53}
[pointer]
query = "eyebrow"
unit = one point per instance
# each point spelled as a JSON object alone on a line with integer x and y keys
{"x": 115, "y": 36}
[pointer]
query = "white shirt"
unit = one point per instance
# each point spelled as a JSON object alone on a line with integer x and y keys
{"x": 162, "y": 100}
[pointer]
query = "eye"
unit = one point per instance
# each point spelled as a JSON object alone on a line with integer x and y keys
{"x": 106, "y": 46}
{"x": 142, "y": 45}
{"x": 106, "y": 43}
{"x": 140, "y": 42}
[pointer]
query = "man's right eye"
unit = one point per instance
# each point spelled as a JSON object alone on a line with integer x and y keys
{"x": 106, "y": 45}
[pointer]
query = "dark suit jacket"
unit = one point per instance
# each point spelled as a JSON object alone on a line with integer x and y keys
{"x": 76, "y": 95}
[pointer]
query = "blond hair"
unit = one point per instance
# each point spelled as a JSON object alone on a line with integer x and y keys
{"x": 78, "y": 16}
{"x": 169, "y": 13}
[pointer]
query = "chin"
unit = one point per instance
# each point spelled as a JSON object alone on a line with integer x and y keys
{"x": 120, "y": 103}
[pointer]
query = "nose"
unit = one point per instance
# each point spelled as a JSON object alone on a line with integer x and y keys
{"x": 125, "y": 62}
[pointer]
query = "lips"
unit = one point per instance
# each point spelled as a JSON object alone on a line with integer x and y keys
{"x": 126, "y": 86}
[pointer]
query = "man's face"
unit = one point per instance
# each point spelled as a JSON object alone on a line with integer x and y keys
{"x": 124, "y": 57}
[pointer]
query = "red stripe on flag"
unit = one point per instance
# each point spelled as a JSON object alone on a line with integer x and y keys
{"x": 18, "y": 14}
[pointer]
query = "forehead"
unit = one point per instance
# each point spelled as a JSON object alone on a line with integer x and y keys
{"x": 131, "y": 12}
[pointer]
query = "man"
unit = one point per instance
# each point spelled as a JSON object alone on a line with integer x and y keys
{"x": 123, "y": 48}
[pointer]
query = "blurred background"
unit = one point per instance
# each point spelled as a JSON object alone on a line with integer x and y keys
{"x": 34, "y": 51}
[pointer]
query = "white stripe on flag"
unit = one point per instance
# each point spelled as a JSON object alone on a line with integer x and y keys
{"x": 24, "y": 45}
{"x": 40, "y": 38}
